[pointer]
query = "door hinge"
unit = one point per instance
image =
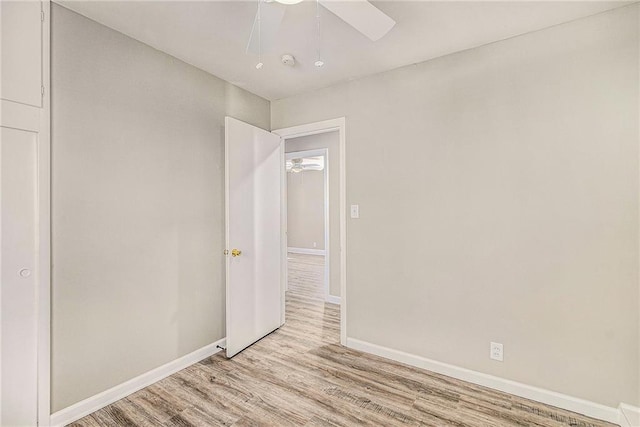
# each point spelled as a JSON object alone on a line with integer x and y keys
{"x": 42, "y": 90}
{"x": 42, "y": 15}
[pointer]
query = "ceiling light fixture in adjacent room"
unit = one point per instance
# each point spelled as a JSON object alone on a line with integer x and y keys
{"x": 305, "y": 164}
{"x": 289, "y": 1}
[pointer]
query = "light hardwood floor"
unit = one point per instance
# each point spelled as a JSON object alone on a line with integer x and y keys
{"x": 300, "y": 375}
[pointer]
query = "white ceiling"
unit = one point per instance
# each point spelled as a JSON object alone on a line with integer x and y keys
{"x": 213, "y": 35}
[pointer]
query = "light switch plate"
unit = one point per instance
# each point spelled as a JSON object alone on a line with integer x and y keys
{"x": 355, "y": 211}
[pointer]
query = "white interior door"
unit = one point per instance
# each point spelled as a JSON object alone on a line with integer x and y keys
{"x": 18, "y": 290}
{"x": 253, "y": 172}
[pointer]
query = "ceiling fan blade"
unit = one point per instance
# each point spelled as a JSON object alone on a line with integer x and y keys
{"x": 361, "y": 15}
{"x": 271, "y": 15}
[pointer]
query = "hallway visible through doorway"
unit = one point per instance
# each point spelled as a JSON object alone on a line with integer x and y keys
{"x": 306, "y": 276}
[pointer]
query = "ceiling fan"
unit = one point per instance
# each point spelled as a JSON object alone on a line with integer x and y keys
{"x": 306, "y": 164}
{"x": 360, "y": 14}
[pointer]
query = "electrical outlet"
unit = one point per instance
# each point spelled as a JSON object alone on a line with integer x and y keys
{"x": 315, "y": 245}
{"x": 355, "y": 211}
{"x": 497, "y": 351}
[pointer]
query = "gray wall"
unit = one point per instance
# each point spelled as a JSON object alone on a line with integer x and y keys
{"x": 137, "y": 163}
{"x": 498, "y": 193}
{"x": 305, "y": 210}
{"x": 330, "y": 141}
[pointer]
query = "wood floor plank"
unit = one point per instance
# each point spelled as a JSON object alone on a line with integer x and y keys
{"x": 157, "y": 402}
{"x": 300, "y": 376}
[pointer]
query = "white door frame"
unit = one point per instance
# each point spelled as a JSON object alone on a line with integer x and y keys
{"x": 320, "y": 152}
{"x": 314, "y": 129}
{"x": 44, "y": 227}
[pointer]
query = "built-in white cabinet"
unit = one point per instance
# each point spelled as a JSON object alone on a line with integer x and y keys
{"x": 21, "y": 44}
{"x": 24, "y": 213}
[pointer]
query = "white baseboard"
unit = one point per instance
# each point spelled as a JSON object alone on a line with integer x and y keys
{"x": 306, "y": 251}
{"x": 85, "y": 407}
{"x": 581, "y": 406}
{"x": 625, "y": 415}
{"x": 629, "y": 415}
{"x": 333, "y": 299}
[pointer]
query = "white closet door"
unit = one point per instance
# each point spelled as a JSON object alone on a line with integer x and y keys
{"x": 253, "y": 166}
{"x": 18, "y": 275}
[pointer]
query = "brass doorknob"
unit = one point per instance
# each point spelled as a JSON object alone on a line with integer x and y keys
{"x": 236, "y": 252}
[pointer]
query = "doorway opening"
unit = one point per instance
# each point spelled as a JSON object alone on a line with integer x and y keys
{"x": 308, "y": 236}
{"x": 314, "y": 219}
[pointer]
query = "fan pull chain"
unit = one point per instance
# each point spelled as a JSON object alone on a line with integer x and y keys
{"x": 319, "y": 63}
{"x": 259, "y": 65}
